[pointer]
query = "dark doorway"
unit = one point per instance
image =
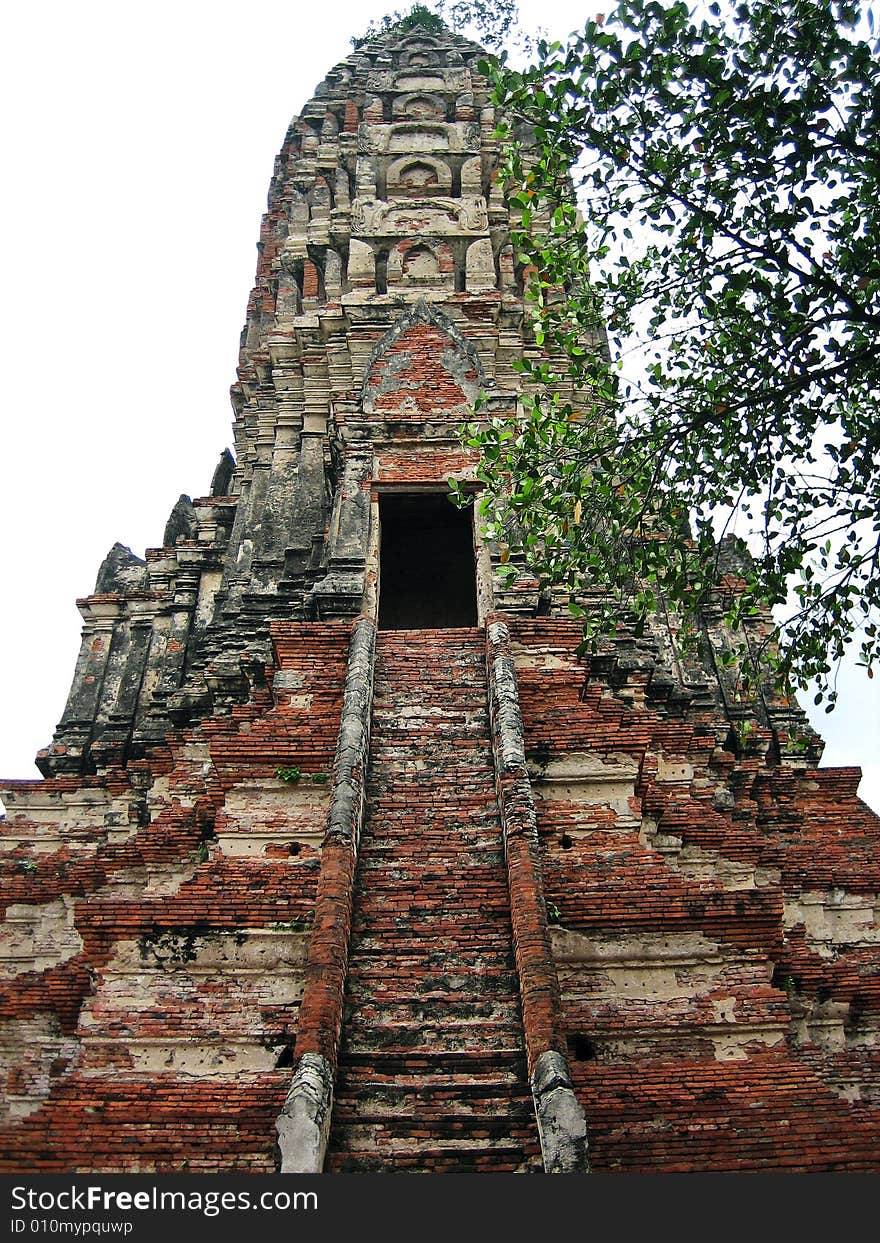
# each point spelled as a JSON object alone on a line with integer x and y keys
{"x": 426, "y": 576}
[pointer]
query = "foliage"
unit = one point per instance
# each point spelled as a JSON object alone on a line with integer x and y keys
{"x": 418, "y": 15}
{"x": 298, "y": 924}
{"x": 293, "y": 775}
{"x": 729, "y": 178}
{"x": 492, "y": 23}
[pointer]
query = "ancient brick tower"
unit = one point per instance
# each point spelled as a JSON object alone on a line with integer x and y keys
{"x": 342, "y": 851}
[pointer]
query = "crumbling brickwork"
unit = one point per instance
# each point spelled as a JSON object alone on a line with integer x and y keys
{"x": 294, "y": 894}
{"x": 689, "y": 905}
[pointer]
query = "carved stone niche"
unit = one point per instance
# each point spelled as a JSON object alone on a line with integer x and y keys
{"x": 419, "y": 106}
{"x": 416, "y": 264}
{"x": 418, "y": 177}
{"x": 416, "y": 53}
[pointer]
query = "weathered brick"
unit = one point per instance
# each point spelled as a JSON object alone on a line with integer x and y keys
{"x": 217, "y": 876}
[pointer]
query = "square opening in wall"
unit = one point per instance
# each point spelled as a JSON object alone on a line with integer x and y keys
{"x": 427, "y": 576}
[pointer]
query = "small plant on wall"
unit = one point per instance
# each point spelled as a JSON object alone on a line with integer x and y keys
{"x": 300, "y": 923}
{"x": 293, "y": 775}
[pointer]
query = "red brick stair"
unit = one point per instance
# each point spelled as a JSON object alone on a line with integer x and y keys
{"x": 432, "y": 1073}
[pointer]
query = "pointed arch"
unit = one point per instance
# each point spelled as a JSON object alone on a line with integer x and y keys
{"x": 422, "y": 366}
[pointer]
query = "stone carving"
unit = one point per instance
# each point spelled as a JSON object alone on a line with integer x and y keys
{"x": 333, "y": 275}
{"x": 182, "y": 523}
{"x": 472, "y": 176}
{"x": 480, "y": 267}
{"x": 121, "y": 570}
{"x": 222, "y": 477}
{"x": 420, "y": 264}
{"x": 426, "y": 217}
{"x": 417, "y": 136}
{"x": 361, "y": 265}
{"x": 419, "y": 107}
{"x": 417, "y": 176}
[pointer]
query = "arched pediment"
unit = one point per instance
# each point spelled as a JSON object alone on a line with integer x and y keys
{"x": 419, "y": 106}
{"x": 418, "y": 176}
{"x": 418, "y": 51}
{"x": 415, "y": 262}
{"x": 422, "y": 368}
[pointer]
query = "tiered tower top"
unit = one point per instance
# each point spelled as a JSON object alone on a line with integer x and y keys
{"x": 386, "y": 297}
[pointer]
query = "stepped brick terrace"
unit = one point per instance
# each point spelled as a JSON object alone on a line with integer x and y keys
{"x": 343, "y": 857}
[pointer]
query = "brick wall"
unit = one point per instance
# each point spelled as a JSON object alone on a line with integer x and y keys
{"x": 718, "y": 966}
{"x": 167, "y": 957}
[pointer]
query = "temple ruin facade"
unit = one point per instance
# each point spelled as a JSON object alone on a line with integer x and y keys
{"x": 344, "y": 858}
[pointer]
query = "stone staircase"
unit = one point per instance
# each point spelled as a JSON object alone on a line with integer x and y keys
{"x": 432, "y": 1074}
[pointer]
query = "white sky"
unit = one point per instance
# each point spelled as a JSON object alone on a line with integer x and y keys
{"x": 137, "y": 150}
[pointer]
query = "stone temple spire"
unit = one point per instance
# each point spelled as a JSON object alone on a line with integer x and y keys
{"x": 346, "y": 857}
{"x": 386, "y": 295}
